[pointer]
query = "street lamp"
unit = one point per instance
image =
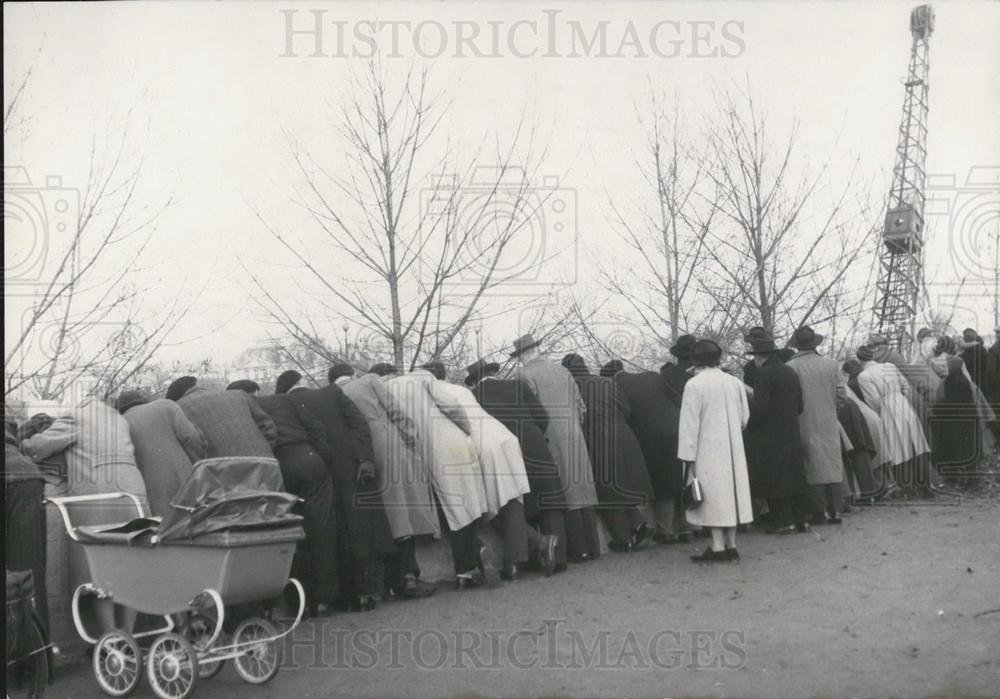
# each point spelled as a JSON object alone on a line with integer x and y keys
{"x": 345, "y": 327}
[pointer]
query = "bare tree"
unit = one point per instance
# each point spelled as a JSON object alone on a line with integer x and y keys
{"x": 83, "y": 319}
{"x": 666, "y": 237}
{"x": 411, "y": 263}
{"x": 778, "y": 250}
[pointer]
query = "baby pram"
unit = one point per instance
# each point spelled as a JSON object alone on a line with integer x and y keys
{"x": 228, "y": 540}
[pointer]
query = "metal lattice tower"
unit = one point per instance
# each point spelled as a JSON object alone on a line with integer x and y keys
{"x": 901, "y": 258}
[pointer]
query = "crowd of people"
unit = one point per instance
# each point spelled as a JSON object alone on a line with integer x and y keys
{"x": 382, "y": 458}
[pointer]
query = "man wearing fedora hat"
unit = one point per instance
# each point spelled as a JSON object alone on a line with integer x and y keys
{"x": 822, "y": 383}
{"x": 773, "y": 444}
{"x": 556, "y": 390}
{"x": 655, "y": 413}
{"x": 517, "y": 408}
{"x": 750, "y": 368}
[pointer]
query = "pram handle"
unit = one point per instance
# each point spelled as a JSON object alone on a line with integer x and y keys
{"x": 62, "y": 502}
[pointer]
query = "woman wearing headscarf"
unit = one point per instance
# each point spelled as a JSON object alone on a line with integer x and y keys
{"x": 887, "y": 392}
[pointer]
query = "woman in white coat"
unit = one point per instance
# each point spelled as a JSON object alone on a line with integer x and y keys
{"x": 714, "y": 412}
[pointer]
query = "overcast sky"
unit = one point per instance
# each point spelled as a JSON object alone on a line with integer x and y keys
{"x": 213, "y": 86}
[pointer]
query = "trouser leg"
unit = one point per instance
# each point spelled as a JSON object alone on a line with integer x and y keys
{"x": 465, "y": 545}
{"x": 799, "y": 508}
{"x": 510, "y": 524}
{"x": 618, "y": 523}
{"x": 831, "y": 499}
{"x": 402, "y": 562}
{"x": 308, "y": 478}
{"x": 581, "y": 534}
{"x": 782, "y": 511}
{"x": 553, "y": 522}
{"x": 665, "y": 512}
{"x": 363, "y": 576}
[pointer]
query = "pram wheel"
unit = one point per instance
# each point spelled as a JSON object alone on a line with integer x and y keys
{"x": 172, "y": 667}
{"x": 199, "y": 631}
{"x": 259, "y": 661}
{"x": 117, "y": 663}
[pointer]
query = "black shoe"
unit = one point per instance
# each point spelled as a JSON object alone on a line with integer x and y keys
{"x": 641, "y": 535}
{"x": 510, "y": 572}
{"x": 488, "y": 568}
{"x": 710, "y": 556}
{"x": 582, "y": 558}
{"x": 559, "y": 568}
{"x": 732, "y": 554}
{"x": 620, "y": 547}
{"x": 802, "y": 527}
{"x": 834, "y": 519}
{"x": 416, "y": 589}
{"x": 789, "y": 529}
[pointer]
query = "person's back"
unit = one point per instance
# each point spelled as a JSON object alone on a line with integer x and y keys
{"x": 167, "y": 444}
{"x": 553, "y": 385}
{"x": 821, "y": 380}
{"x": 232, "y": 422}
{"x": 99, "y": 453}
{"x": 294, "y": 423}
{"x": 647, "y": 399}
{"x": 513, "y": 403}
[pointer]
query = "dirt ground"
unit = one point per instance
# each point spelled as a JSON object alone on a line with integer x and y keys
{"x": 899, "y": 601}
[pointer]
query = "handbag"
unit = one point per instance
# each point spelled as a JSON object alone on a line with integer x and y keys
{"x": 693, "y": 495}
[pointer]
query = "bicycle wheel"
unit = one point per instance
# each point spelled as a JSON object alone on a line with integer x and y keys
{"x": 28, "y": 675}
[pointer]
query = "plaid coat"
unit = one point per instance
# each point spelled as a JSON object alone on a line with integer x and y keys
{"x": 232, "y": 422}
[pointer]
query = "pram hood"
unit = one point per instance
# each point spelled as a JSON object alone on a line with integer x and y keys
{"x": 228, "y": 493}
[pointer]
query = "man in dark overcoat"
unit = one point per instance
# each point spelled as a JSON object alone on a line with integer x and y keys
{"x": 363, "y": 534}
{"x": 670, "y": 518}
{"x": 750, "y": 368}
{"x": 620, "y": 474}
{"x": 773, "y": 442}
{"x": 515, "y": 405}
{"x": 302, "y": 452}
